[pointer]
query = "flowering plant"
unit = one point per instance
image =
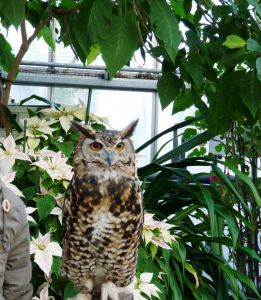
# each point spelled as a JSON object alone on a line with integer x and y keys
{"x": 171, "y": 252}
{"x": 42, "y": 169}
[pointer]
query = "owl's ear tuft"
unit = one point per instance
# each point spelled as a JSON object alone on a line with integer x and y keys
{"x": 128, "y": 131}
{"x": 83, "y": 130}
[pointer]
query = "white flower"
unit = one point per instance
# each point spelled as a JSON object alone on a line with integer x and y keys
{"x": 36, "y": 127}
{"x": 58, "y": 210}
{"x": 162, "y": 237}
{"x": 11, "y": 152}
{"x": 66, "y": 113}
{"x": 9, "y": 178}
{"x": 44, "y": 250}
{"x": 145, "y": 286}
{"x": 30, "y": 210}
{"x": 53, "y": 165}
{"x": 44, "y": 292}
{"x": 41, "y": 153}
{"x": 65, "y": 174}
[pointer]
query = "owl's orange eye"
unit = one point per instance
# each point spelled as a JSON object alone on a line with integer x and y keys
{"x": 120, "y": 146}
{"x": 95, "y": 146}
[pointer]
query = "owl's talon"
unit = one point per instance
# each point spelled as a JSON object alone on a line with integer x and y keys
{"x": 83, "y": 297}
{"x": 85, "y": 290}
{"x": 95, "y": 294}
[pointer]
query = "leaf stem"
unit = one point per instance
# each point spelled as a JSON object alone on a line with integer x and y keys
{"x": 25, "y": 124}
{"x": 139, "y": 32}
{"x": 88, "y": 105}
{"x": 37, "y": 179}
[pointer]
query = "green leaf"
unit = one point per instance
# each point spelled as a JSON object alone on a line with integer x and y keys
{"x": 14, "y": 11}
{"x": 195, "y": 70}
{"x": 94, "y": 52}
{"x": 184, "y": 147}
{"x": 233, "y": 57}
{"x": 258, "y": 65}
{"x": 51, "y": 223}
{"x": 188, "y": 133}
{"x": 167, "y": 26}
{"x": 152, "y": 267}
{"x": 6, "y": 55}
{"x": 45, "y": 205}
{"x": 66, "y": 148}
{"x": 56, "y": 190}
{"x": 230, "y": 275}
{"x": 209, "y": 73}
{"x": 228, "y": 89}
{"x": 251, "y": 92}
{"x": 251, "y": 59}
{"x": 199, "y": 103}
{"x": 19, "y": 171}
{"x": 70, "y": 291}
{"x": 219, "y": 240}
{"x": 31, "y": 113}
{"x": 246, "y": 281}
{"x": 198, "y": 15}
{"x": 256, "y": 5}
{"x": 168, "y": 88}
{"x": 120, "y": 43}
{"x": 47, "y": 182}
{"x": 56, "y": 105}
{"x": 193, "y": 41}
{"x": 153, "y": 249}
{"x": 48, "y": 36}
{"x": 234, "y": 41}
{"x": 77, "y": 46}
{"x": 11, "y": 118}
{"x": 181, "y": 104}
{"x": 56, "y": 265}
{"x": 187, "y": 5}
{"x": 253, "y": 45}
{"x": 225, "y": 213}
{"x": 67, "y": 4}
{"x": 29, "y": 192}
{"x": 175, "y": 127}
{"x": 142, "y": 258}
{"x": 92, "y": 23}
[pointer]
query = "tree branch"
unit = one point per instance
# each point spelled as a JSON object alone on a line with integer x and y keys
{"x": 139, "y": 32}
{"x": 69, "y": 39}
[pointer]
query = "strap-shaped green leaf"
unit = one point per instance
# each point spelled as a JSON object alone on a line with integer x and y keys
{"x": 11, "y": 118}
{"x": 56, "y": 105}
{"x": 175, "y": 127}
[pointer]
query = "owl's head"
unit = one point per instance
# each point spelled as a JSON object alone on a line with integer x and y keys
{"x": 104, "y": 150}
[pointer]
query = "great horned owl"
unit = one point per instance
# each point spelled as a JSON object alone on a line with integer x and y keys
{"x": 102, "y": 214}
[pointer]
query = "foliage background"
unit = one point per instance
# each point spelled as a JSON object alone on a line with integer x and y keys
{"x": 219, "y": 57}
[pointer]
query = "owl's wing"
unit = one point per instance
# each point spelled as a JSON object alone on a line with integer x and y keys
{"x": 66, "y": 213}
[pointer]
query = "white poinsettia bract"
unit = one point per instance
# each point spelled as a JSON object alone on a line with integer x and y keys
{"x": 44, "y": 250}
{"x": 157, "y": 232}
{"x": 143, "y": 284}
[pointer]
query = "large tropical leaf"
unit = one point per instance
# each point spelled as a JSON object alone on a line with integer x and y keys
{"x": 120, "y": 43}
{"x": 167, "y": 26}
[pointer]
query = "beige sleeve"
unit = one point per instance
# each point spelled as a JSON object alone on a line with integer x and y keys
{"x": 18, "y": 270}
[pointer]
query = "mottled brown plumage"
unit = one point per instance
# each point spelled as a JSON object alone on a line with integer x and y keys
{"x": 102, "y": 215}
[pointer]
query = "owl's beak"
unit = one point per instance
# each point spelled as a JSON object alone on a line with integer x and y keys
{"x": 109, "y": 158}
